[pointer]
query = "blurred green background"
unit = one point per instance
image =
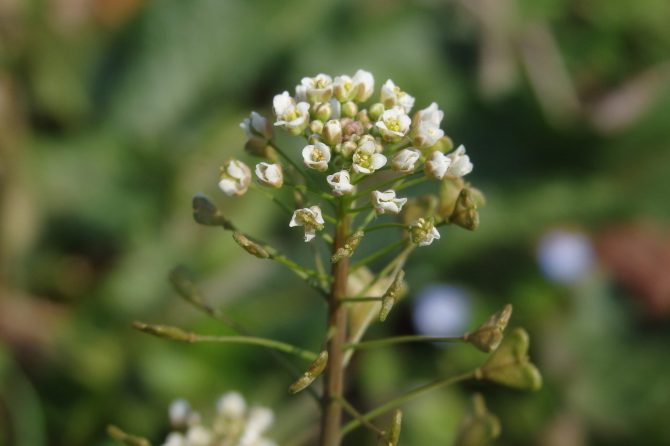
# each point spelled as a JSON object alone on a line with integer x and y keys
{"x": 114, "y": 112}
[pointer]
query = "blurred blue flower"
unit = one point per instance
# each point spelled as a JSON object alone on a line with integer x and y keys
{"x": 442, "y": 310}
{"x": 564, "y": 256}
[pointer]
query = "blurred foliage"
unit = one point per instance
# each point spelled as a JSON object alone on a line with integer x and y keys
{"x": 113, "y": 113}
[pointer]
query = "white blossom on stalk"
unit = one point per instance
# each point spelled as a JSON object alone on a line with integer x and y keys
{"x": 316, "y": 156}
{"x": 259, "y": 420}
{"x": 256, "y": 125}
{"x": 343, "y": 88}
{"x": 198, "y": 436}
{"x": 332, "y": 132}
{"x": 392, "y": 95}
{"x": 179, "y": 412}
{"x": 318, "y": 88}
{"x": 310, "y": 218}
{"x": 235, "y": 178}
{"x": 386, "y": 202}
{"x": 427, "y": 131}
{"x": 460, "y": 163}
{"x": 436, "y": 165}
{"x": 366, "y": 159}
{"x": 231, "y": 405}
{"x": 270, "y": 174}
{"x": 393, "y": 124}
{"x": 405, "y": 160}
{"x": 294, "y": 117}
{"x": 340, "y": 182}
{"x": 423, "y": 232}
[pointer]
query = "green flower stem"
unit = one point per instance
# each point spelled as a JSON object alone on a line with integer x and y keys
{"x": 401, "y": 340}
{"x": 271, "y": 197}
{"x": 411, "y": 183}
{"x": 385, "y": 225}
{"x": 368, "y": 218}
{"x": 329, "y": 218}
{"x": 380, "y": 253}
{"x": 303, "y": 188}
{"x": 125, "y": 438}
{"x": 360, "y": 209}
{"x": 396, "y": 263}
{"x": 399, "y": 401}
{"x": 358, "y": 416}
{"x": 193, "y": 296}
{"x": 356, "y": 300}
{"x": 177, "y": 334}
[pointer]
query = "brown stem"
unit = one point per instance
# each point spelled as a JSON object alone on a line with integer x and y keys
{"x": 331, "y": 420}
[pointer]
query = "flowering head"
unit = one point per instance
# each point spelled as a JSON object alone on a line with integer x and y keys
{"x": 234, "y": 178}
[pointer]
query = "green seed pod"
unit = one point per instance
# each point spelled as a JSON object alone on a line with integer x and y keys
{"x": 251, "y": 247}
{"x": 314, "y": 370}
{"x": 489, "y": 335}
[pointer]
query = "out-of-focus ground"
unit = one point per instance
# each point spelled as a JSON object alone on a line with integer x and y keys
{"x": 113, "y": 113}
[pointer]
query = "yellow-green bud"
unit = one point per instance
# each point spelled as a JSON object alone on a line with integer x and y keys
{"x": 257, "y": 146}
{"x": 349, "y": 247}
{"x": 394, "y": 430}
{"x": 316, "y": 127}
{"x": 323, "y": 111}
{"x": 349, "y": 109}
{"x": 376, "y": 110}
{"x": 314, "y": 370}
{"x": 489, "y": 335}
{"x": 165, "y": 331}
{"x": 391, "y": 296}
{"x": 205, "y": 213}
{"x": 450, "y": 189}
{"x": 348, "y": 148}
{"x": 252, "y": 248}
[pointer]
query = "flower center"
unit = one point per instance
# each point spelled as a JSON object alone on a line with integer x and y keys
{"x": 317, "y": 155}
{"x": 363, "y": 159}
{"x": 393, "y": 124}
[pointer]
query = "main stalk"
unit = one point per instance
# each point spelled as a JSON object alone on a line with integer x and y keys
{"x": 331, "y": 420}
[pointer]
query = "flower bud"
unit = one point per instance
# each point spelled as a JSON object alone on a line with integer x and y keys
{"x": 323, "y": 111}
{"x": 350, "y": 245}
{"x": 405, "y": 160}
{"x": 252, "y": 248}
{"x": 257, "y": 125}
{"x": 391, "y": 296}
{"x": 314, "y": 370}
{"x": 164, "y": 331}
{"x": 418, "y": 207}
{"x": 509, "y": 364}
{"x": 270, "y": 174}
{"x": 376, "y": 110}
{"x": 332, "y": 132}
{"x": 349, "y": 109}
{"x": 465, "y": 212}
{"x": 348, "y": 148}
{"x": 489, "y": 335}
{"x": 235, "y": 178}
{"x": 205, "y": 213}
{"x": 318, "y": 88}
{"x": 351, "y": 129}
{"x": 394, "y": 430}
{"x": 316, "y": 127}
{"x": 450, "y": 189}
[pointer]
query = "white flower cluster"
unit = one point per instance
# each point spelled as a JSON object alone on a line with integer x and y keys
{"x": 234, "y": 424}
{"x": 349, "y": 142}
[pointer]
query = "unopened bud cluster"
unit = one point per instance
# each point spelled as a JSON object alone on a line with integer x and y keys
{"x": 234, "y": 424}
{"x": 350, "y": 136}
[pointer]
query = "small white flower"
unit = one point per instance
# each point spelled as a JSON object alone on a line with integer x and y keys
{"x": 198, "y": 436}
{"x": 256, "y": 125}
{"x": 231, "y": 405}
{"x": 316, "y": 156}
{"x": 393, "y": 124}
{"x": 300, "y": 93}
{"x": 179, "y": 412}
{"x": 336, "y": 109}
{"x": 175, "y": 439}
{"x": 270, "y": 174}
{"x": 436, "y": 166}
{"x": 460, "y": 163}
{"x": 310, "y": 218}
{"x": 363, "y": 85}
{"x": 392, "y": 95}
{"x": 423, "y": 232}
{"x": 386, "y": 202}
{"x": 332, "y": 132}
{"x": 340, "y": 182}
{"x": 318, "y": 88}
{"x": 343, "y": 88}
{"x": 427, "y": 131}
{"x": 260, "y": 419}
{"x": 235, "y": 178}
{"x": 294, "y": 117}
{"x": 366, "y": 159}
{"x": 405, "y": 160}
